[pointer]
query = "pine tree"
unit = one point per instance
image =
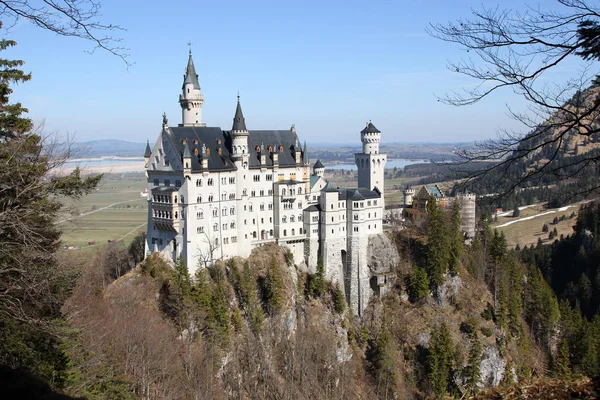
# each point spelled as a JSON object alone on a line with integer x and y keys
{"x": 384, "y": 364}
{"x": 439, "y": 360}
{"x": 472, "y": 372}
{"x": 274, "y": 290}
{"x": 250, "y": 300}
{"x": 456, "y": 238}
{"x": 220, "y": 316}
{"x": 317, "y": 283}
{"x": 32, "y": 285}
{"x": 516, "y": 211}
{"x": 438, "y": 244}
{"x": 181, "y": 277}
{"x": 417, "y": 284}
{"x": 339, "y": 302}
{"x": 562, "y": 358}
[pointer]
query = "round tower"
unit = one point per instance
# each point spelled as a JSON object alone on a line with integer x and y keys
{"x": 370, "y": 137}
{"x": 239, "y": 133}
{"x": 408, "y": 196}
{"x": 191, "y": 99}
{"x": 319, "y": 169}
{"x": 371, "y": 163}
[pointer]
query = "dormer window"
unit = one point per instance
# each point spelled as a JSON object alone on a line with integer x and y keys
{"x": 184, "y": 141}
{"x": 195, "y": 152}
{"x": 257, "y": 148}
{"x": 270, "y": 149}
{"x": 195, "y": 141}
{"x": 280, "y": 148}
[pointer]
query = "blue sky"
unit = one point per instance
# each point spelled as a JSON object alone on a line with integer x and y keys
{"x": 326, "y": 66}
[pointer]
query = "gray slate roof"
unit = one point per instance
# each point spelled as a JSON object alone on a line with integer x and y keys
{"x": 207, "y": 136}
{"x": 318, "y": 164}
{"x": 210, "y": 136}
{"x": 190, "y": 74}
{"x": 287, "y": 139}
{"x": 358, "y": 194}
{"x": 186, "y": 151}
{"x": 370, "y": 129}
{"x": 148, "y": 152}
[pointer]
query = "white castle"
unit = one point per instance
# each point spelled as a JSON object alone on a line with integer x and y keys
{"x": 216, "y": 194}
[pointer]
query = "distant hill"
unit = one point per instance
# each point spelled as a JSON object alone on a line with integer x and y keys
{"x": 109, "y": 147}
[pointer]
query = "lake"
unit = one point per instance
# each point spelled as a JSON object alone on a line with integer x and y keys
{"x": 390, "y": 164}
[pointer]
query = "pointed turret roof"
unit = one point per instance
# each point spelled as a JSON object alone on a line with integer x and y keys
{"x": 148, "y": 152}
{"x": 239, "y": 122}
{"x": 190, "y": 74}
{"x": 305, "y": 159}
{"x": 329, "y": 188}
{"x": 186, "y": 152}
{"x": 370, "y": 129}
{"x": 318, "y": 164}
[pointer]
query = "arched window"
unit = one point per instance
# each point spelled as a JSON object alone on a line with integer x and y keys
{"x": 199, "y": 199}
{"x": 283, "y": 192}
{"x": 293, "y": 232}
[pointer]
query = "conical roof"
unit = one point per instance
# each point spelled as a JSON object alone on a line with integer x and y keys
{"x": 318, "y": 164}
{"x": 186, "y": 152}
{"x": 370, "y": 129}
{"x": 148, "y": 152}
{"x": 305, "y": 154}
{"x": 190, "y": 74}
{"x": 239, "y": 122}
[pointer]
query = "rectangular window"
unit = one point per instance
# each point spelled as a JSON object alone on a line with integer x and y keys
{"x": 293, "y": 176}
{"x": 226, "y": 241}
{"x": 234, "y": 239}
{"x": 269, "y": 177}
{"x": 280, "y": 177}
{"x": 178, "y": 183}
{"x": 200, "y": 229}
{"x": 156, "y": 182}
{"x": 167, "y": 182}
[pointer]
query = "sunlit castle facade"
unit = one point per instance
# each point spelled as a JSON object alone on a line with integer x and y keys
{"x": 214, "y": 194}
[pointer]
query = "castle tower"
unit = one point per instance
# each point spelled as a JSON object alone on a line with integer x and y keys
{"x": 319, "y": 169}
{"x": 191, "y": 98}
{"x": 370, "y": 162}
{"x": 239, "y": 133}
{"x": 408, "y": 196}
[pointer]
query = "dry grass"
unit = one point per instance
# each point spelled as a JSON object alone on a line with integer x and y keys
{"x": 582, "y": 388}
{"x": 527, "y": 232}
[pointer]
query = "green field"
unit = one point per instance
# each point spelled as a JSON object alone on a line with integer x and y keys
{"x": 113, "y": 212}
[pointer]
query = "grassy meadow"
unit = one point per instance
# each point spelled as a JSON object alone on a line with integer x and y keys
{"x": 526, "y": 232}
{"x": 113, "y": 212}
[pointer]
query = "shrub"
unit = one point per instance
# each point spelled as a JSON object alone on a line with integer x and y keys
{"x": 339, "y": 303}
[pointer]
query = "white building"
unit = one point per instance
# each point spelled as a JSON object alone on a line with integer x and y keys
{"x": 216, "y": 194}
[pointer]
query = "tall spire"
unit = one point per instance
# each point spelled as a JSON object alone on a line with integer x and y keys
{"x": 305, "y": 160}
{"x": 190, "y": 73}
{"x": 148, "y": 152}
{"x": 239, "y": 122}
